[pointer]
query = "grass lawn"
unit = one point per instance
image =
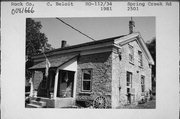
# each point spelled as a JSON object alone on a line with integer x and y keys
{"x": 148, "y": 105}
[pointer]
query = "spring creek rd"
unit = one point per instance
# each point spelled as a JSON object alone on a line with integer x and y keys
{"x": 142, "y": 4}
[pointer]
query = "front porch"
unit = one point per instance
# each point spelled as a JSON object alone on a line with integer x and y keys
{"x": 58, "y": 88}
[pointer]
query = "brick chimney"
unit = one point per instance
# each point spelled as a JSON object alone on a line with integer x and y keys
{"x": 63, "y": 43}
{"x": 131, "y": 25}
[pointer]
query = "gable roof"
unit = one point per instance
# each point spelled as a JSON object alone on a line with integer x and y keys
{"x": 120, "y": 40}
{"x": 85, "y": 44}
{"x": 136, "y": 36}
{"x": 79, "y": 47}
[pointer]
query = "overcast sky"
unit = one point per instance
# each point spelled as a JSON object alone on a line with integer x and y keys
{"x": 97, "y": 28}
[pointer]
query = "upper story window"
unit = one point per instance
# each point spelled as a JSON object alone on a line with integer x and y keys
{"x": 140, "y": 60}
{"x": 86, "y": 79}
{"x": 131, "y": 54}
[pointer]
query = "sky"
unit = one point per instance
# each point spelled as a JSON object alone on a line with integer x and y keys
{"x": 96, "y": 27}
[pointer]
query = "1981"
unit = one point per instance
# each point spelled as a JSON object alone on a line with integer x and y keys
{"x": 106, "y": 9}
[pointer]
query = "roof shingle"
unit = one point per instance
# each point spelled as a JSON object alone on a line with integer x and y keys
{"x": 55, "y": 62}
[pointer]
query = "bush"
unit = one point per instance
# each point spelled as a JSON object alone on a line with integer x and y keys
{"x": 84, "y": 103}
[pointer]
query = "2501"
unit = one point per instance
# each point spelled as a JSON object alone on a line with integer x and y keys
{"x": 132, "y": 8}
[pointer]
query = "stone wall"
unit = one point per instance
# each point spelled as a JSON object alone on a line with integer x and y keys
{"x": 101, "y": 76}
{"x": 120, "y": 68}
{"x": 117, "y": 72}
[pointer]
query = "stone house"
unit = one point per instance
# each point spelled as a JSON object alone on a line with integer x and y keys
{"x": 117, "y": 68}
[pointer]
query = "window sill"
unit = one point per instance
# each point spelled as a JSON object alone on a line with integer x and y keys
{"x": 85, "y": 93}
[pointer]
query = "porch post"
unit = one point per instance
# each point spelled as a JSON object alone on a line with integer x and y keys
{"x": 75, "y": 83}
{"x": 31, "y": 86}
{"x": 56, "y": 84}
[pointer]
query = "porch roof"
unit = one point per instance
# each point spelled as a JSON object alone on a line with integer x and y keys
{"x": 54, "y": 62}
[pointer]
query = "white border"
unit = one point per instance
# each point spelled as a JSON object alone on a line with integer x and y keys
{"x": 13, "y": 56}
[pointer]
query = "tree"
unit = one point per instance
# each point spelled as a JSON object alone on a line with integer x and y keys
{"x": 151, "y": 45}
{"x": 36, "y": 42}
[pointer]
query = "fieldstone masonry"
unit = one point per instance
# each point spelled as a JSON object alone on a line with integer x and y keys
{"x": 120, "y": 68}
{"x": 101, "y": 76}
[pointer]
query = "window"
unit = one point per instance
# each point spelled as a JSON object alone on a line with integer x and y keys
{"x": 143, "y": 83}
{"x": 131, "y": 54}
{"x": 129, "y": 86}
{"x": 129, "y": 78}
{"x": 140, "y": 58}
{"x": 86, "y": 79}
{"x": 129, "y": 81}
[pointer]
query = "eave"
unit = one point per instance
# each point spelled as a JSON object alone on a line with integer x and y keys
{"x": 136, "y": 37}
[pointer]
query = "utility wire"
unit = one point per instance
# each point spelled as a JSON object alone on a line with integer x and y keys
{"x": 81, "y": 32}
{"x": 75, "y": 29}
{"x": 72, "y": 28}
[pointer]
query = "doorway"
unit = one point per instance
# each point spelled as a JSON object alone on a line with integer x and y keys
{"x": 65, "y": 84}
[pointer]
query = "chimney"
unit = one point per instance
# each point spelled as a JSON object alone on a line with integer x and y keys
{"x": 131, "y": 25}
{"x": 63, "y": 43}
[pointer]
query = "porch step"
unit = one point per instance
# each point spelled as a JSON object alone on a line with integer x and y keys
{"x": 34, "y": 106}
{"x": 39, "y": 103}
